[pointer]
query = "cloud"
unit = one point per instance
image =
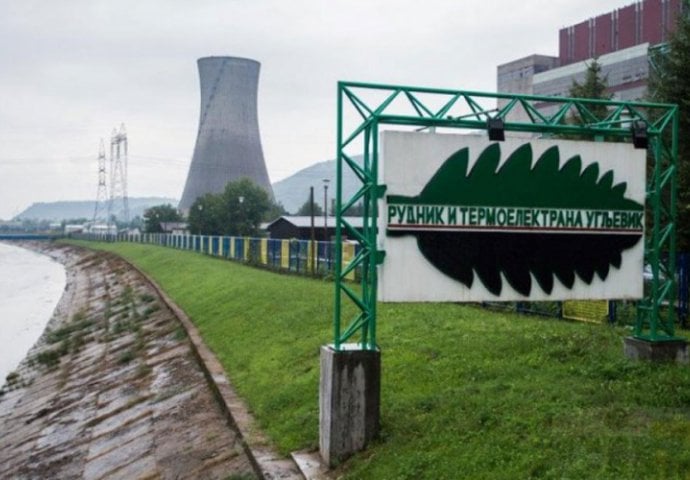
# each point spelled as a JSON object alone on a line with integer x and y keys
{"x": 74, "y": 69}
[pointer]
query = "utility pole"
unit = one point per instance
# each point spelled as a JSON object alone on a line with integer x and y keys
{"x": 313, "y": 233}
{"x": 325, "y": 220}
{"x": 325, "y": 209}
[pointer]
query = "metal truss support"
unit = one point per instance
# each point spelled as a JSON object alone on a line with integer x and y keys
{"x": 362, "y": 109}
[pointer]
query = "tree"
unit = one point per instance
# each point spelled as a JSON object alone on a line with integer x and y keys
{"x": 153, "y": 217}
{"x": 670, "y": 83}
{"x": 138, "y": 222}
{"x": 356, "y": 210}
{"x": 206, "y": 215}
{"x": 305, "y": 209}
{"x": 593, "y": 87}
{"x": 238, "y": 210}
{"x": 274, "y": 211}
{"x": 245, "y": 205}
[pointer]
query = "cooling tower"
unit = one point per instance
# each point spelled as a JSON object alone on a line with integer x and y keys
{"x": 228, "y": 145}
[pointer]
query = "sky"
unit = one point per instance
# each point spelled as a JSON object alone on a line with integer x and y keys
{"x": 72, "y": 70}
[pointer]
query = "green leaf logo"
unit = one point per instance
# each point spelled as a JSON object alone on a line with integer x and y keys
{"x": 519, "y": 219}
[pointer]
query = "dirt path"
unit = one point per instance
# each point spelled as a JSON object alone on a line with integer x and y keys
{"x": 112, "y": 389}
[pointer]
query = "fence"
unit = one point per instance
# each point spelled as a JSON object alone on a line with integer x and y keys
{"x": 303, "y": 257}
{"x": 612, "y": 311}
{"x": 594, "y": 311}
{"x": 318, "y": 258}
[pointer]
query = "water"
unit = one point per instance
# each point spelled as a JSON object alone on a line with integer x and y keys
{"x": 30, "y": 287}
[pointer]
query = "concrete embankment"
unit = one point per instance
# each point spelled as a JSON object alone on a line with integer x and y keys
{"x": 113, "y": 389}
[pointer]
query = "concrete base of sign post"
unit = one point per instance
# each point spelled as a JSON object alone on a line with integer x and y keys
{"x": 349, "y": 400}
{"x": 670, "y": 351}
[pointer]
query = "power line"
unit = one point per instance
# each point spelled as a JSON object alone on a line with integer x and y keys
{"x": 35, "y": 160}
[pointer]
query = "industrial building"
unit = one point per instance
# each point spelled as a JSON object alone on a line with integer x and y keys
{"x": 300, "y": 227}
{"x": 620, "y": 40}
{"x": 228, "y": 144}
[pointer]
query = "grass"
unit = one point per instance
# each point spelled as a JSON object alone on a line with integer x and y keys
{"x": 12, "y": 378}
{"x": 126, "y": 357}
{"x": 49, "y": 358}
{"x": 77, "y": 327}
{"x": 179, "y": 334}
{"x": 151, "y": 309}
{"x": 466, "y": 392}
{"x": 146, "y": 298}
{"x": 241, "y": 476}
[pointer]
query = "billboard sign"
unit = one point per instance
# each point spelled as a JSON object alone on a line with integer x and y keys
{"x": 466, "y": 219}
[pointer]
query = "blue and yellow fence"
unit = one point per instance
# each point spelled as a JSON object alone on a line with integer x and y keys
{"x": 297, "y": 256}
{"x": 301, "y": 257}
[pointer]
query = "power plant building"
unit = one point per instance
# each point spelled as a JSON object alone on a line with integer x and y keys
{"x": 620, "y": 40}
{"x": 228, "y": 144}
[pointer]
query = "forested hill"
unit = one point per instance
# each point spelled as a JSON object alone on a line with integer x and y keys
{"x": 293, "y": 191}
{"x": 65, "y": 210}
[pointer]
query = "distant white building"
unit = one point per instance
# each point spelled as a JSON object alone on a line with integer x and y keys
{"x": 103, "y": 229}
{"x": 176, "y": 228}
{"x": 74, "y": 229}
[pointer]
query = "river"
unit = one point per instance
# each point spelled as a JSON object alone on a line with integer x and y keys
{"x": 31, "y": 285}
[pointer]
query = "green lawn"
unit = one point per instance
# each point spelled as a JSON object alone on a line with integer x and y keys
{"x": 466, "y": 393}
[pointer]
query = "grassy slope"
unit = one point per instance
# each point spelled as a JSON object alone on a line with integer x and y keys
{"x": 466, "y": 393}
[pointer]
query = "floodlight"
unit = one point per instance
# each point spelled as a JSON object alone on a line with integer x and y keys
{"x": 639, "y": 134}
{"x": 496, "y": 129}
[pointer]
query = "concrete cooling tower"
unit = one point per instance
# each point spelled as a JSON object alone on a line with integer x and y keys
{"x": 228, "y": 145}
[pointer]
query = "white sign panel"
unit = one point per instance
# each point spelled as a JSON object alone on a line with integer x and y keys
{"x": 465, "y": 219}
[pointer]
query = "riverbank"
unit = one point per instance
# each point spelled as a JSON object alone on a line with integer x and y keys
{"x": 113, "y": 389}
{"x": 465, "y": 391}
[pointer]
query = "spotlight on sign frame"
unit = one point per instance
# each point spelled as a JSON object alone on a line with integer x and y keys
{"x": 639, "y": 134}
{"x": 496, "y": 129}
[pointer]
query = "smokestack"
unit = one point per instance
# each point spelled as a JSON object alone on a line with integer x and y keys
{"x": 228, "y": 145}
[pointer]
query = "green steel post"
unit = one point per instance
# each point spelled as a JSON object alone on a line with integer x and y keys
{"x": 673, "y": 213}
{"x": 338, "y": 218}
{"x": 373, "y": 259}
{"x": 653, "y": 320}
{"x": 367, "y": 213}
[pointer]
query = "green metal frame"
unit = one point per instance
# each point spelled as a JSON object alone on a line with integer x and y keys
{"x": 363, "y": 108}
{"x": 657, "y": 56}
